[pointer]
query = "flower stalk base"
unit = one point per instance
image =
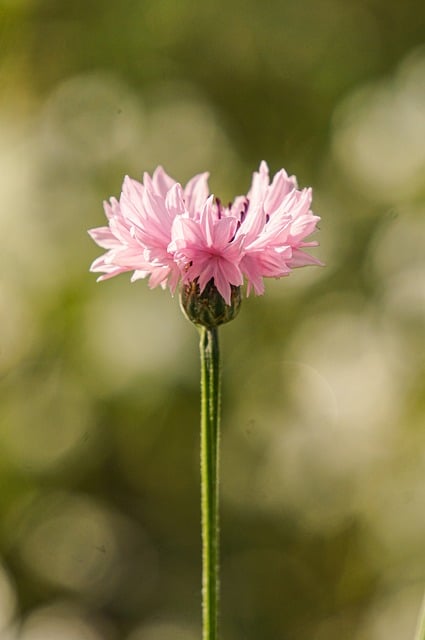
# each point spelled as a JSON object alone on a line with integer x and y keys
{"x": 420, "y": 629}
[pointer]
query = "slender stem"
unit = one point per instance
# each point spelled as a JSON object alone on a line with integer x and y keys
{"x": 210, "y": 408}
{"x": 420, "y": 629}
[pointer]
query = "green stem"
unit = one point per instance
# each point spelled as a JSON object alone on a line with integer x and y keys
{"x": 210, "y": 408}
{"x": 420, "y": 629}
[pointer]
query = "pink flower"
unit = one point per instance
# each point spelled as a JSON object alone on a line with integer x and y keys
{"x": 171, "y": 234}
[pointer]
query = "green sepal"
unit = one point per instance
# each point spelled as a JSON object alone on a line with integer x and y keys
{"x": 208, "y": 309}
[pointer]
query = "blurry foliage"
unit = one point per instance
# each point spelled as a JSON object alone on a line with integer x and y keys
{"x": 323, "y": 491}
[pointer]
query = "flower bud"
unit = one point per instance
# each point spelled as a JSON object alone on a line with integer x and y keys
{"x": 208, "y": 309}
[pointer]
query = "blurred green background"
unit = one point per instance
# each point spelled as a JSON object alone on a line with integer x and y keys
{"x": 323, "y": 438}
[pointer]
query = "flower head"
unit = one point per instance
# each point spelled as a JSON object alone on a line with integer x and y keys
{"x": 185, "y": 235}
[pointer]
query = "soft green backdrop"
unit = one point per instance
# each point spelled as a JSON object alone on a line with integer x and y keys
{"x": 323, "y": 430}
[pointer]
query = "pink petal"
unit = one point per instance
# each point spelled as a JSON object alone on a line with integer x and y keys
{"x": 196, "y": 193}
{"x": 223, "y": 287}
{"x": 138, "y": 275}
{"x": 161, "y": 181}
{"x": 158, "y": 276}
{"x": 278, "y": 190}
{"x": 104, "y": 237}
{"x": 207, "y": 220}
{"x": 301, "y": 259}
{"x": 222, "y": 232}
{"x": 111, "y": 209}
{"x": 260, "y": 183}
{"x": 185, "y": 232}
{"x": 174, "y": 201}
